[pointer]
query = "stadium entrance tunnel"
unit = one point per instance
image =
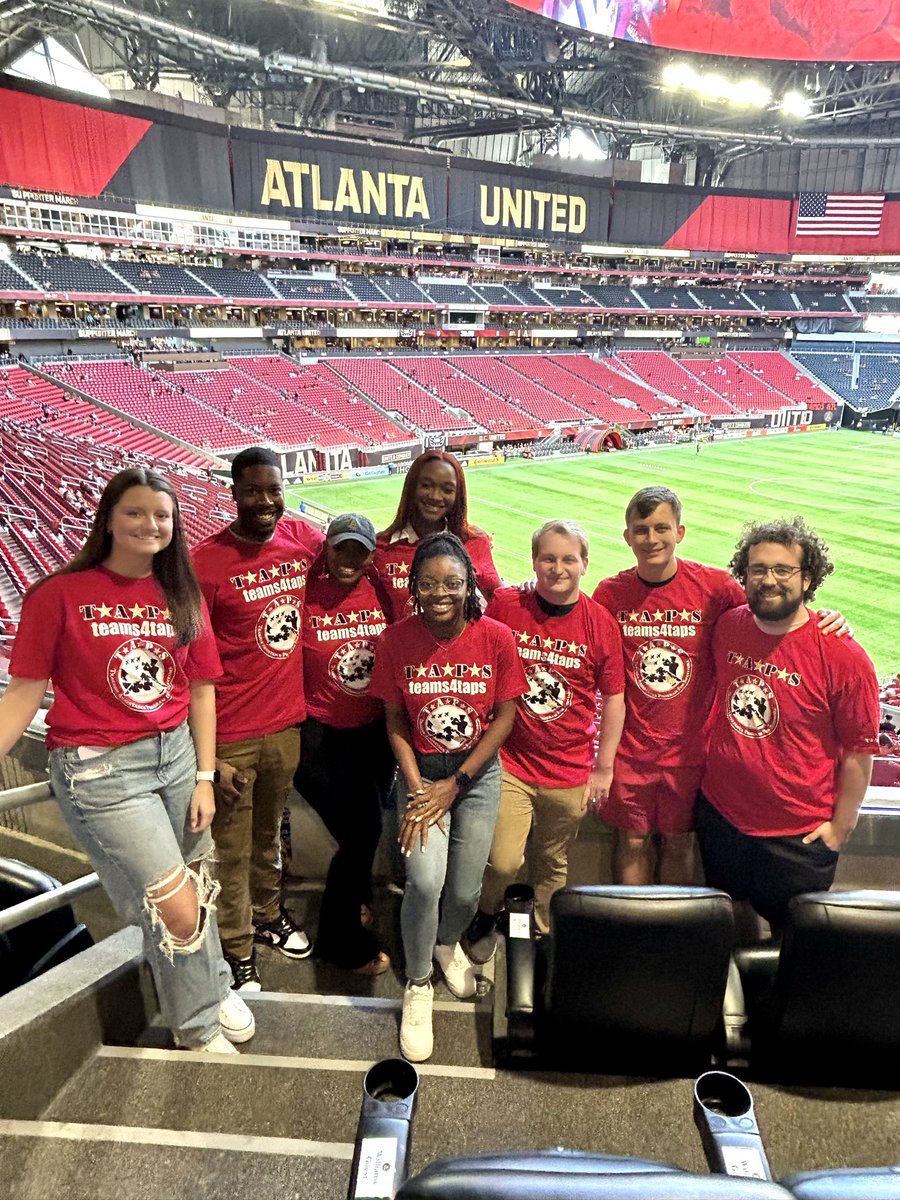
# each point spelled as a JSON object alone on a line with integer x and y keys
{"x": 596, "y": 441}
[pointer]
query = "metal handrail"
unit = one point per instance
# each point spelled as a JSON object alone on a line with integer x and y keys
{"x": 39, "y": 906}
{"x": 20, "y": 797}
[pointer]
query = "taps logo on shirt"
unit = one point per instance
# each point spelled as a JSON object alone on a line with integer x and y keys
{"x": 275, "y": 580}
{"x": 351, "y": 666}
{"x": 278, "y": 627}
{"x": 662, "y": 670}
{"x": 549, "y": 695}
{"x": 751, "y": 707}
{"x": 449, "y": 724}
{"x": 140, "y": 674}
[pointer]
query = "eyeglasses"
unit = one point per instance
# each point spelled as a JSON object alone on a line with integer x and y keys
{"x": 427, "y": 587}
{"x": 782, "y": 573}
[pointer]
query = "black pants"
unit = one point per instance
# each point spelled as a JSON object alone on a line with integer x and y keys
{"x": 345, "y": 775}
{"x": 766, "y": 871}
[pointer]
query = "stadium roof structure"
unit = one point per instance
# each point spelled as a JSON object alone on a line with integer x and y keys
{"x": 441, "y": 73}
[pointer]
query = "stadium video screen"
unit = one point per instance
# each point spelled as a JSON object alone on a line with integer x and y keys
{"x": 815, "y": 30}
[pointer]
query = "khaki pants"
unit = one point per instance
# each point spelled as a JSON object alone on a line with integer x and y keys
{"x": 247, "y": 836}
{"x": 555, "y": 814}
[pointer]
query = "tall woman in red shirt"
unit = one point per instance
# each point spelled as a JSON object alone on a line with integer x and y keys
{"x": 433, "y": 500}
{"x": 124, "y": 636}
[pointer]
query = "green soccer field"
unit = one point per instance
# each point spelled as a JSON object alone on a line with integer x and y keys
{"x": 845, "y": 484}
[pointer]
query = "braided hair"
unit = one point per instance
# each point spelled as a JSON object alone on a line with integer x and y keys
{"x": 445, "y": 545}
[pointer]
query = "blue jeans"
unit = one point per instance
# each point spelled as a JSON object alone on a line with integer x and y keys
{"x": 443, "y": 881}
{"x": 128, "y": 808}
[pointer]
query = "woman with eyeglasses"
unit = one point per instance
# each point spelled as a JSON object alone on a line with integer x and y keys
{"x": 449, "y": 679}
{"x": 433, "y": 500}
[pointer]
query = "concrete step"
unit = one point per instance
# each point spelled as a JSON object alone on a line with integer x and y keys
{"x": 45, "y": 1160}
{"x": 353, "y": 1027}
{"x": 461, "y": 1110}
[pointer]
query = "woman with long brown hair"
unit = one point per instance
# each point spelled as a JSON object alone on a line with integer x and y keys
{"x": 433, "y": 500}
{"x": 123, "y": 634}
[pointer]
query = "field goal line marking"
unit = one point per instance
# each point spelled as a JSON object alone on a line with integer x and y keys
{"x": 850, "y": 506}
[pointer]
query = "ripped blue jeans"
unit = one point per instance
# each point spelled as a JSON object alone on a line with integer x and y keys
{"x": 128, "y": 808}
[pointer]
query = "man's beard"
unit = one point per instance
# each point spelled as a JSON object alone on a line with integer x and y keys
{"x": 776, "y": 607}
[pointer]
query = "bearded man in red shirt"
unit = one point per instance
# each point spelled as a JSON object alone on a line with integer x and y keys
{"x": 794, "y": 732}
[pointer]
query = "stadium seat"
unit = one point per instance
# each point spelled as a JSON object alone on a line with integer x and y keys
{"x": 573, "y": 1175}
{"x": 32, "y": 949}
{"x": 849, "y": 1183}
{"x": 822, "y": 1008}
{"x": 629, "y": 979}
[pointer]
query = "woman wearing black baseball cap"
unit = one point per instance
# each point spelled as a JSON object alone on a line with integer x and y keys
{"x": 346, "y": 767}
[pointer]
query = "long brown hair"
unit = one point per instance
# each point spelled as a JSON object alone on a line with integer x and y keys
{"x": 171, "y": 566}
{"x": 458, "y": 516}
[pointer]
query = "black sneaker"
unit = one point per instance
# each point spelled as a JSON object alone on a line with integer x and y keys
{"x": 285, "y": 935}
{"x": 480, "y": 939}
{"x": 244, "y": 972}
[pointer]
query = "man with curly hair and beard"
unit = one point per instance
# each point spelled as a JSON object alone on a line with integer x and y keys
{"x": 795, "y": 728}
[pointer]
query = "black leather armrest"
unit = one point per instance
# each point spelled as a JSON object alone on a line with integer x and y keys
{"x": 758, "y": 966}
{"x": 514, "y": 1001}
{"x": 520, "y": 961}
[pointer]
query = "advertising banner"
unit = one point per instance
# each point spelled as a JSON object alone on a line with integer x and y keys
{"x": 394, "y": 459}
{"x": 489, "y": 199}
{"x": 303, "y": 177}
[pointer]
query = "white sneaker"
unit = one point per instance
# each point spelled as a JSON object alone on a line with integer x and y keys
{"x": 217, "y": 1045}
{"x": 416, "y": 1030}
{"x": 458, "y": 973}
{"x": 237, "y": 1021}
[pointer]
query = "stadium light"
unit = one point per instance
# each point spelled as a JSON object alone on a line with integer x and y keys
{"x": 751, "y": 94}
{"x": 712, "y": 86}
{"x": 795, "y": 104}
{"x": 678, "y": 75}
{"x": 746, "y": 93}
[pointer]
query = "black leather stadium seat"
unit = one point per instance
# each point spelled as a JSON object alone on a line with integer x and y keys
{"x": 851, "y": 1183}
{"x": 572, "y": 1175}
{"x": 824, "y": 1008}
{"x": 32, "y": 949}
{"x": 629, "y": 979}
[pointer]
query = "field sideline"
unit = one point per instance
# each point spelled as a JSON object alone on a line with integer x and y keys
{"x": 846, "y": 484}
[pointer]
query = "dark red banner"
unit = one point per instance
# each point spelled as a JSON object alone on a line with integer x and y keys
{"x": 49, "y": 145}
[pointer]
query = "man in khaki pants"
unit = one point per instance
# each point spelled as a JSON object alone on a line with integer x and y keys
{"x": 253, "y": 578}
{"x": 572, "y": 652}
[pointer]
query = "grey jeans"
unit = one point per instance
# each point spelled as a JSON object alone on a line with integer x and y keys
{"x": 128, "y": 808}
{"x": 443, "y": 881}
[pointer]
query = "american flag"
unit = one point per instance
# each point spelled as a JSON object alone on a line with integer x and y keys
{"x": 839, "y": 214}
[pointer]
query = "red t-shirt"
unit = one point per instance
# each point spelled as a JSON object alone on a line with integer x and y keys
{"x": 667, "y": 635}
{"x": 255, "y": 595}
{"x": 449, "y": 689}
{"x": 108, "y": 645}
{"x": 786, "y": 710}
{"x": 393, "y": 560}
{"x": 340, "y": 629}
{"x": 568, "y": 660}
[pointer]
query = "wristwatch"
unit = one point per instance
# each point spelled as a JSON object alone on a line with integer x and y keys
{"x": 207, "y": 776}
{"x": 463, "y": 780}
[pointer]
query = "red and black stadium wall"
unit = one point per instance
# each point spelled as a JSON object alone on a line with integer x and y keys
{"x": 54, "y": 147}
